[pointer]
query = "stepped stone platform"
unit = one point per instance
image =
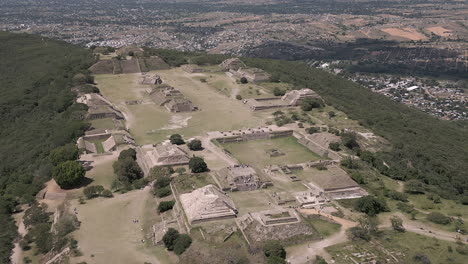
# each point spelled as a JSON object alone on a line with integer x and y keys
{"x": 207, "y": 204}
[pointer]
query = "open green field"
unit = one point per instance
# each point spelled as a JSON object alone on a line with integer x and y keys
{"x": 251, "y": 201}
{"x": 102, "y": 173}
{"x": 402, "y": 246}
{"x": 185, "y": 182}
{"x": 107, "y": 233}
{"x": 324, "y": 227}
{"x": 254, "y": 152}
{"x": 148, "y": 123}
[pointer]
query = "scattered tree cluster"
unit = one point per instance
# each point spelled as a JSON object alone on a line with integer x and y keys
{"x": 176, "y": 139}
{"x": 371, "y": 205}
{"x": 174, "y": 241}
{"x": 165, "y": 206}
{"x": 129, "y": 173}
{"x": 195, "y": 145}
{"x": 197, "y": 165}
{"x": 95, "y": 191}
{"x": 274, "y": 252}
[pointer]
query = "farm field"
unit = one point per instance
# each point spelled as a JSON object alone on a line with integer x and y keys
{"x": 254, "y": 152}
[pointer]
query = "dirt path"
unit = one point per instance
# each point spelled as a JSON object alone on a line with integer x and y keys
{"x": 17, "y": 251}
{"x": 206, "y": 142}
{"x": 426, "y": 230}
{"x": 306, "y": 252}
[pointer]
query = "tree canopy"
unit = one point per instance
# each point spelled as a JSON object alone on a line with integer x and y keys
{"x": 68, "y": 174}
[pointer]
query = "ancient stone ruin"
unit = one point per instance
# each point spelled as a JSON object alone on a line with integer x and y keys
{"x": 192, "y": 68}
{"x": 152, "y": 79}
{"x": 164, "y": 154}
{"x": 232, "y": 64}
{"x": 239, "y": 178}
{"x": 242, "y": 135}
{"x": 290, "y": 99}
{"x": 99, "y": 107}
{"x": 252, "y": 75}
{"x": 97, "y": 141}
{"x": 207, "y": 204}
{"x": 171, "y": 98}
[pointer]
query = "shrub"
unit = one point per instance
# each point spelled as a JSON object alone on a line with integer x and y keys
{"x": 163, "y": 192}
{"x": 462, "y": 249}
{"x": 278, "y": 92}
{"x": 169, "y": 238}
{"x": 128, "y": 153}
{"x": 397, "y": 224}
{"x": 414, "y": 187}
{"x": 312, "y": 130}
{"x": 93, "y": 191}
{"x": 421, "y": 258}
{"x": 349, "y": 141}
{"x": 335, "y": 146}
{"x": 349, "y": 163}
{"x": 107, "y": 194}
{"x": 371, "y": 205}
{"x": 176, "y": 139}
{"x": 181, "y": 243}
{"x": 160, "y": 171}
{"x": 438, "y": 218}
{"x": 357, "y": 177}
{"x": 238, "y": 97}
{"x": 195, "y": 145}
{"x": 197, "y": 165}
{"x": 274, "y": 248}
{"x": 140, "y": 183}
{"x": 162, "y": 182}
{"x": 68, "y": 174}
{"x": 243, "y": 80}
{"x": 166, "y": 206}
{"x": 310, "y": 103}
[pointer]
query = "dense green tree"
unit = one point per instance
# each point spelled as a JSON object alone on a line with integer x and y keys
{"x": 127, "y": 153}
{"x": 349, "y": 141}
{"x": 274, "y": 248}
{"x": 169, "y": 238}
{"x": 310, "y": 103}
{"x": 335, "y": 146}
{"x": 182, "y": 242}
{"x": 68, "y": 174}
{"x": 166, "y": 206}
{"x": 197, "y": 165}
{"x": 195, "y": 145}
{"x": 162, "y": 182}
{"x": 163, "y": 192}
{"x": 64, "y": 153}
{"x": 278, "y": 92}
{"x": 371, "y": 205}
{"x": 176, "y": 139}
{"x": 127, "y": 170}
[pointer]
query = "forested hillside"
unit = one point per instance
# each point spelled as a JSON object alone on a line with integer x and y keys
{"x": 424, "y": 148}
{"x": 37, "y": 115}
